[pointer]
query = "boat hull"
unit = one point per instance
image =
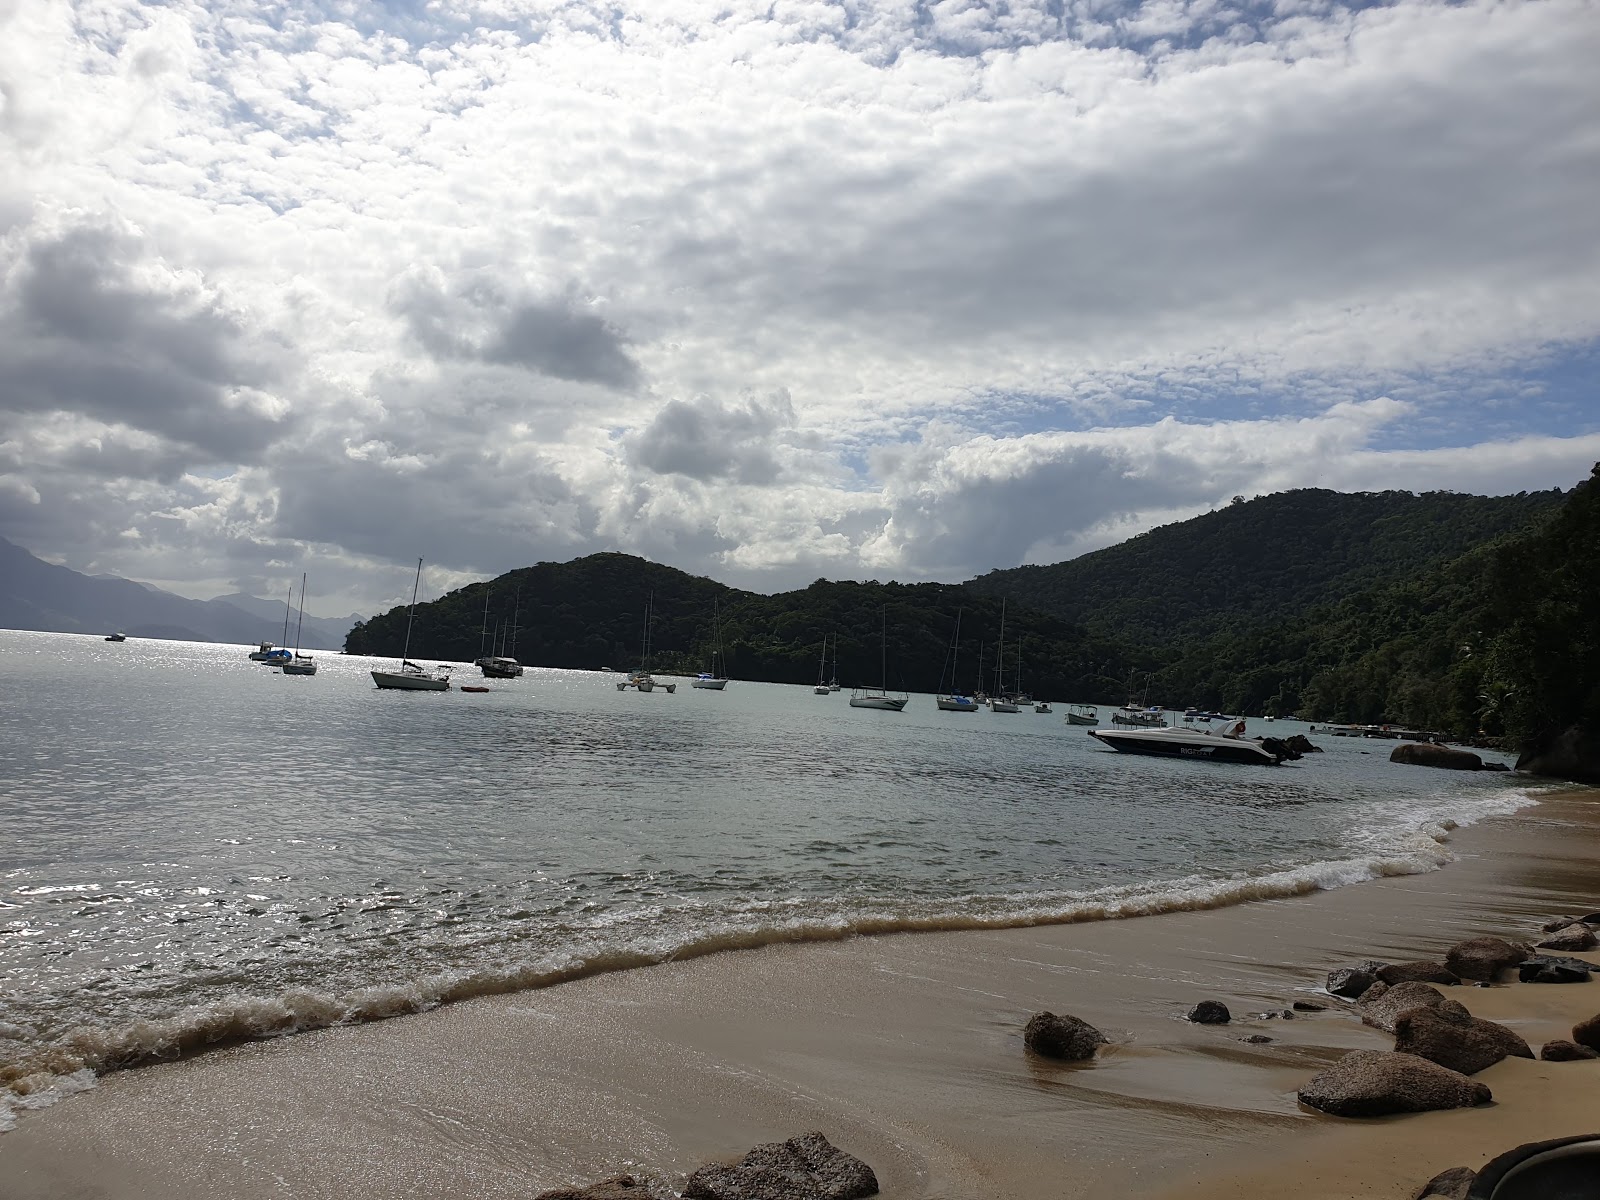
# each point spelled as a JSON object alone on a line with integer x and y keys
{"x": 710, "y": 685}
{"x": 1212, "y": 747}
{"x": 956, "y": 704}
{"x": 885, "y": 703}
{"x": 299, "y": 668}
{"x": 408, "y": 681}
{"x": 1003, "y": 706}
{"x": 1082, "y": 719}
{"x": 499, "y": 668}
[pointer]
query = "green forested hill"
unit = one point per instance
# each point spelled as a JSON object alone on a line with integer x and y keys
{"x": 1264, "y": 559}
{"x": 589, "y": 613}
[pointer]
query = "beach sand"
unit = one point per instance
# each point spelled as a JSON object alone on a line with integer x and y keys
{"x": 905, "y": 1050}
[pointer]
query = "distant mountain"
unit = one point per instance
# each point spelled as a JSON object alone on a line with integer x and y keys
{"x": 35, "y": 594}
{"x": 322, "y": 633}
{"x": 1263, "y": 559}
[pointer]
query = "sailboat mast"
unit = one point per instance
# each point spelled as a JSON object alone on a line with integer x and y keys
{"x": 300, "y": 622}
{"x": 288, "y": 603}
{"x": 1000, "y": 655}
{"x": 955, "y": 656}
{"x": 483, "y": 633}
{"x": 516, "y": 616}
{"x": 883, "y": 652}
{"x": 412, "y": 615}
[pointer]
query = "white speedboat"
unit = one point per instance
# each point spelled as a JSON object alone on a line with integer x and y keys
{"x": 1042, "y": 707}
{"x": 410, "y": 677}
{"x": 1083, "y": 714}
{"x": 1180, "y": 742}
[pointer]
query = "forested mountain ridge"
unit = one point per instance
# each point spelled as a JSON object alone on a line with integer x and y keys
{"x": 1263, "y": 559}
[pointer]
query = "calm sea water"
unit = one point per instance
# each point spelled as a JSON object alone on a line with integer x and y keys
{"x": 194, "y": 847}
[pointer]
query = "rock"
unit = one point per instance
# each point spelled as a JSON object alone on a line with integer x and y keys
{"x": 807, "y": 1167}
{"x": 1587, "y": 1033}
{"x": 1563, "y": 1051}
{"x": 1309, "y": 1006}
{"x": 1210, "y": 1012}
{"x": 1352, "y": 982}
{"x": 618, "y": 1187}
{"x": 1382, "y": 1009}
{"x": 1492, "y": 764}
{"x": 1427, "y": 754}
{"x": 1552, "y": 968}
{"x": 1448, "y": 1185}
{"x": 1371, "y": 1083}
{"x": 1576, "y": 936}
{"x": 1591, "y": 918}
{"x": 1484, "y": 957}
{"x": 1560, "y": 923}
{"x": 1421, "y": 971}
{"x": 1061, "y": 1037}
{"x": 1301, "y": 743}
{"x": 1452, "y": 1037}
{"x": 1256, "y": 1039}
{"x": 1572, "y": 754}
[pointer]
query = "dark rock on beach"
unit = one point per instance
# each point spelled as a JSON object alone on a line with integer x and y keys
{"x": 1573, "y": 754}
{"x": 1061, "y": 1037}
{"x": 1352, "y": 982}
{"x": 1256, "y": 1039}
{"x": 1301, "y": 743}
{"x": 1564, "y": 1051}
{"x": 1371, "y": 1083}
{"x": 1451, "y": 1036}
{"x": 1380, "y": 1008}
{"x": 1576, "y": 936}
{"x": 1552, "y": 968}
{"x": 618, "y": 1187}
{"x": 807, "y": 1167}
{"x": 1427, "y": 754}
{"x": 1556, "y": 923}
{"x": 1422, "y": 971}
{"x": 1210, "y": 1012}
{"x": 1485, "y": 957}
{"x": 1309, "y": 1006}
{"x": 1587, "y": 1033}
{"x": 1453, "y": 1184}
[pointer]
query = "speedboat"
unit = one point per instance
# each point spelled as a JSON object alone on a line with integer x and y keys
{"x": 1145, "y": 718}
{"x": 116, "y": 637}
{"x": 1042, "y": 707}
{"x": 1179, "y": 742}
{"x": 1083, "y": 714}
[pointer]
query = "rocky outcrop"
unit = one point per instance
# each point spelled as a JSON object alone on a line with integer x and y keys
{"x": 1427, "y": 754}
{"x": 1308, "y": 1006}
{"x": 1371, "y": 1083}
{"x": 1352, "y": 982}
{"x": 1587, "y": 1033}
{"x": 1563, "y": 1051}
{"x": 1572, "y": 754}
{"x": 1301, "y": 743}
{"x": 1453, "y": 1184}
{"x": 1484, "y": 957}
{"x": 1064, "y": 1037}
{"x": 1421, "y": 971}
{"x": 1210, "y": 1012}
{"x": 1380, "y": 1008}
{"x": 807, "y": 1167}
{"x": 1576, "y": 936}
{"x": 618, "y": 1187}
{"x": 1553, "y": 968}
{"x": 1449, "y": 1035}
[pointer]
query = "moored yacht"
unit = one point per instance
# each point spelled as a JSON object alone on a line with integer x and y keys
{"x": 1082, "y": 714}
{"x": 880, "y": 697}
{"x": 410, "y": 677}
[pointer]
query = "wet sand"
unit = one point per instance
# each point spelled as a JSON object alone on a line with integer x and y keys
{"x": 905, "y": 1050}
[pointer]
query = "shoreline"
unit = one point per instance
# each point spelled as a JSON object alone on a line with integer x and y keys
{"x": 905, "y": 1051}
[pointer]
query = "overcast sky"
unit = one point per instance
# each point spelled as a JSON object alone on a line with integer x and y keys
{"x": 772, "y": 291}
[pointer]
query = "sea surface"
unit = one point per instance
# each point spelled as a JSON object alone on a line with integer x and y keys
{"x": 196, "y": 848}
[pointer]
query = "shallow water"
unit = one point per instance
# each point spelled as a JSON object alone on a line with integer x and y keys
{"x": 194, "y": 847}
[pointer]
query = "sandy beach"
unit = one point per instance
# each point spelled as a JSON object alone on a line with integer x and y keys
{"x": 904, "y": 1050}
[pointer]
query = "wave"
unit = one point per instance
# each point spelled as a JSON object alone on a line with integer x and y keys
{"x": 36, "y": 1076}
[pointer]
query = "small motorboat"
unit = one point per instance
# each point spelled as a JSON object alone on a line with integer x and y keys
{"x": 1187, "y": 742}
{"x": 1083, "y": 714}
{"x": 116, "y": 637}
{"x": 469, "y": 688}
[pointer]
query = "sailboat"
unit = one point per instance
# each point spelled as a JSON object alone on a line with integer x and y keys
{"x": 953, "y": 700}
{"x": 411, "y": 677}
{"x": 822, "y": 688}
{"x": 501, "y": 665}
{"x": 1000, "y": 702}
{"x": 642, "y": 679}
{"x": 879, "y": 696}
{"x": 300, "y": 664}
{"x": 710, "y": 680}
{"x": 274, "y": 656}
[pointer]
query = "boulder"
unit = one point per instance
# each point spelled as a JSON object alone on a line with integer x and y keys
{"x": 1302, "y": 744}
{"x": 1591, "y": 918}
{"x": 1453, "y": 1184}
{"x": 1587, "y": 1033}
{"x": 1556, "y": 923}
{"x": 1484, "y": 957}
{"x": 1427, "y": 754}
{"x": 1061, "y": 1037}
{"x": 1563, "y": 1051}
{"x": 1421, "y": 971}
{"x": 1352, "y": 982}
{"x": 1576, "y": 936}
{"x": 1371, "y": 1083}
{"x": 618, "y": 1187}
{"x": 1552, "y": 968}
{"x": 1572, "y": 754}
{"x": 1256, "y": 1039}
{"x": 1452, "y": 1037}
{"x": 807, "y": 1167}
{"x": 1210, "y": 1012}
{"x": 1383, "y": 1007}
{"x": 1492, "y": 764}
{"x": 1308, "y": 1006}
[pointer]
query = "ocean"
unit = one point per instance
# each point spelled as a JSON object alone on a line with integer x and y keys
{"x": 195, "y": 848}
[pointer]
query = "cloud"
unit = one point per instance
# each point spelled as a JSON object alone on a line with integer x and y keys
{"x": 706, "y": 440}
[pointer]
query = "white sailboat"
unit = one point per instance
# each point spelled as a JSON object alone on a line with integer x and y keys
{"x": 823, "y": 689}
{"x": 711, "y": 680}
{"x": 410, "y": 677}
{"x": 1000, "y": 702}
{"x": 954, "y": 700}
{"x": 880, "y": 696}
{"x": 642, "y": 680}
{"x": 300, "y": 664}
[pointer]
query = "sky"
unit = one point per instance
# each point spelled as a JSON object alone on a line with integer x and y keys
{"x": 772, "y": 291}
